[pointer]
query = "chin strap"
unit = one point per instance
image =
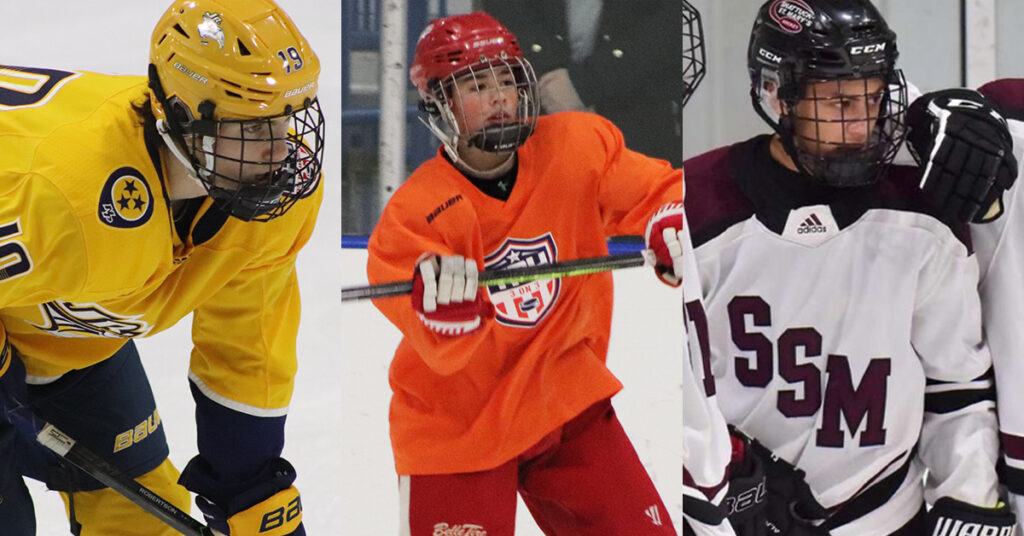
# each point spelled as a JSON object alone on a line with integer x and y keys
{"x": 450, "y": 142}
{"x": 190, "y": 172}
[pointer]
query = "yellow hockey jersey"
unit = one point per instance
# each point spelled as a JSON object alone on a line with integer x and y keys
{"x": 90, "y": 254}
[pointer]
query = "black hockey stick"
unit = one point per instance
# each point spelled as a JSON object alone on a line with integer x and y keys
{"x": 79, "y": 456}
{"x": 523, "y": 274}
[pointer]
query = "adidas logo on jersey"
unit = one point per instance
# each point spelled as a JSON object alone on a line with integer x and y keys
{"x": 811, "y": 225}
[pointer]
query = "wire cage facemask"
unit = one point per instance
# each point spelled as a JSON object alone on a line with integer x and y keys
{"x": 257, "y": 169}
{"x": 694, "y": 56}
{"x": 843, "y": 131}
{"x": 492, "y": 106}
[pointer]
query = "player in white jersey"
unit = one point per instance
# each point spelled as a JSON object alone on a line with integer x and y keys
{"x": 706, "y": 446}
{"x": 999, "y": 239}
{"x": 845, "y": 325}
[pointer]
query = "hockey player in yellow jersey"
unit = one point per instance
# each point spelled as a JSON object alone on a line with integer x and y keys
{"x": 129, "y": 202}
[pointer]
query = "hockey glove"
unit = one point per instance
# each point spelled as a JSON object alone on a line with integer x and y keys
{"x": 445, "y": 295}
{"x": 962, "y": 142}
{"x": 747, "y": 497}
{"x": 266, "y": 504}
{"x": 664, "y": 239}
{"x": 789, "y": 509}
{"x": 952, "y": 517}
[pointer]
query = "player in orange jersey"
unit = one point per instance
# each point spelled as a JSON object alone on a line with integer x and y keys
{"x": 506, "y": 389}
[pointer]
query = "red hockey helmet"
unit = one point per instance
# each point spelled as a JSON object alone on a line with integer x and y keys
{"x": 478, "y": 46}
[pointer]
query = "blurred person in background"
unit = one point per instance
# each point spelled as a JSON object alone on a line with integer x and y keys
{"x": 618, "y": 59}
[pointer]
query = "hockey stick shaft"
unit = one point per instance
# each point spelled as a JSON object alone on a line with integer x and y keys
{"x": 79, "y": 456}
{"x": 522, "y": 274}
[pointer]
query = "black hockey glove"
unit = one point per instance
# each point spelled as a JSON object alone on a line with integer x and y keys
{"x": 748, "y": 490}
{"x": 962, "y": 142}
{"x": 787, "y": 506}
{"x": 952, "y": 517}
{"x": 266, "y": 504}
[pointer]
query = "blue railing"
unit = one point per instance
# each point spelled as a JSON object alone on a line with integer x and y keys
{"x": 616, "y": 245}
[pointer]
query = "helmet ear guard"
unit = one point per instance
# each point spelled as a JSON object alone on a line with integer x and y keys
{"x": 428, "y": 107}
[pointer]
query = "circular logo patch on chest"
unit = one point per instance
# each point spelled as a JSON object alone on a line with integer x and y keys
{"x": 126, "y": 200}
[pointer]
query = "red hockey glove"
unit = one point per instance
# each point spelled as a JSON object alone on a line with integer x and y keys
{"x": 445, "y": 297}
{"x": 664, "y": 239}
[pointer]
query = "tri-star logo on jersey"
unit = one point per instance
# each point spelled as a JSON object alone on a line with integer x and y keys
{"x": 66, "y": 319}
{"x": 523, "y": 305}
{"x": 126, "y": 200}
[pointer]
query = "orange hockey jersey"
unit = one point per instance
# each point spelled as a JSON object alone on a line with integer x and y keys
{"x": 473, "y": 402}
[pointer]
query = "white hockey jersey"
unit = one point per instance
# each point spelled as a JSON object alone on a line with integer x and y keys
{"x": 707, "y": 449}
{"x": 845, "y": 334}
{"x": 1000, "y": 247}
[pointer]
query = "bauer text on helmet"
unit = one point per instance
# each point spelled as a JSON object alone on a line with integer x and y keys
{"x": 234, "y": 88}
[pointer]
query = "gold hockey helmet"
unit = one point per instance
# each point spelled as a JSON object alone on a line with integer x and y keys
{"x": 238, "y": 74}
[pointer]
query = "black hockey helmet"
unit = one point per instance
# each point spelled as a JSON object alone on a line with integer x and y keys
{"x": 795, "y": 45}
{"x": 694, "y": 58}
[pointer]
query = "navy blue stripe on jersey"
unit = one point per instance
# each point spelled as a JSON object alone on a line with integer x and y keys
{"x": 209, "y": 223}
{"x": 236, "y": 444}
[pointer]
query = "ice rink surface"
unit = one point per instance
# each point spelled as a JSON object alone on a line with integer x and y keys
{"x": 337, "y": 427}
